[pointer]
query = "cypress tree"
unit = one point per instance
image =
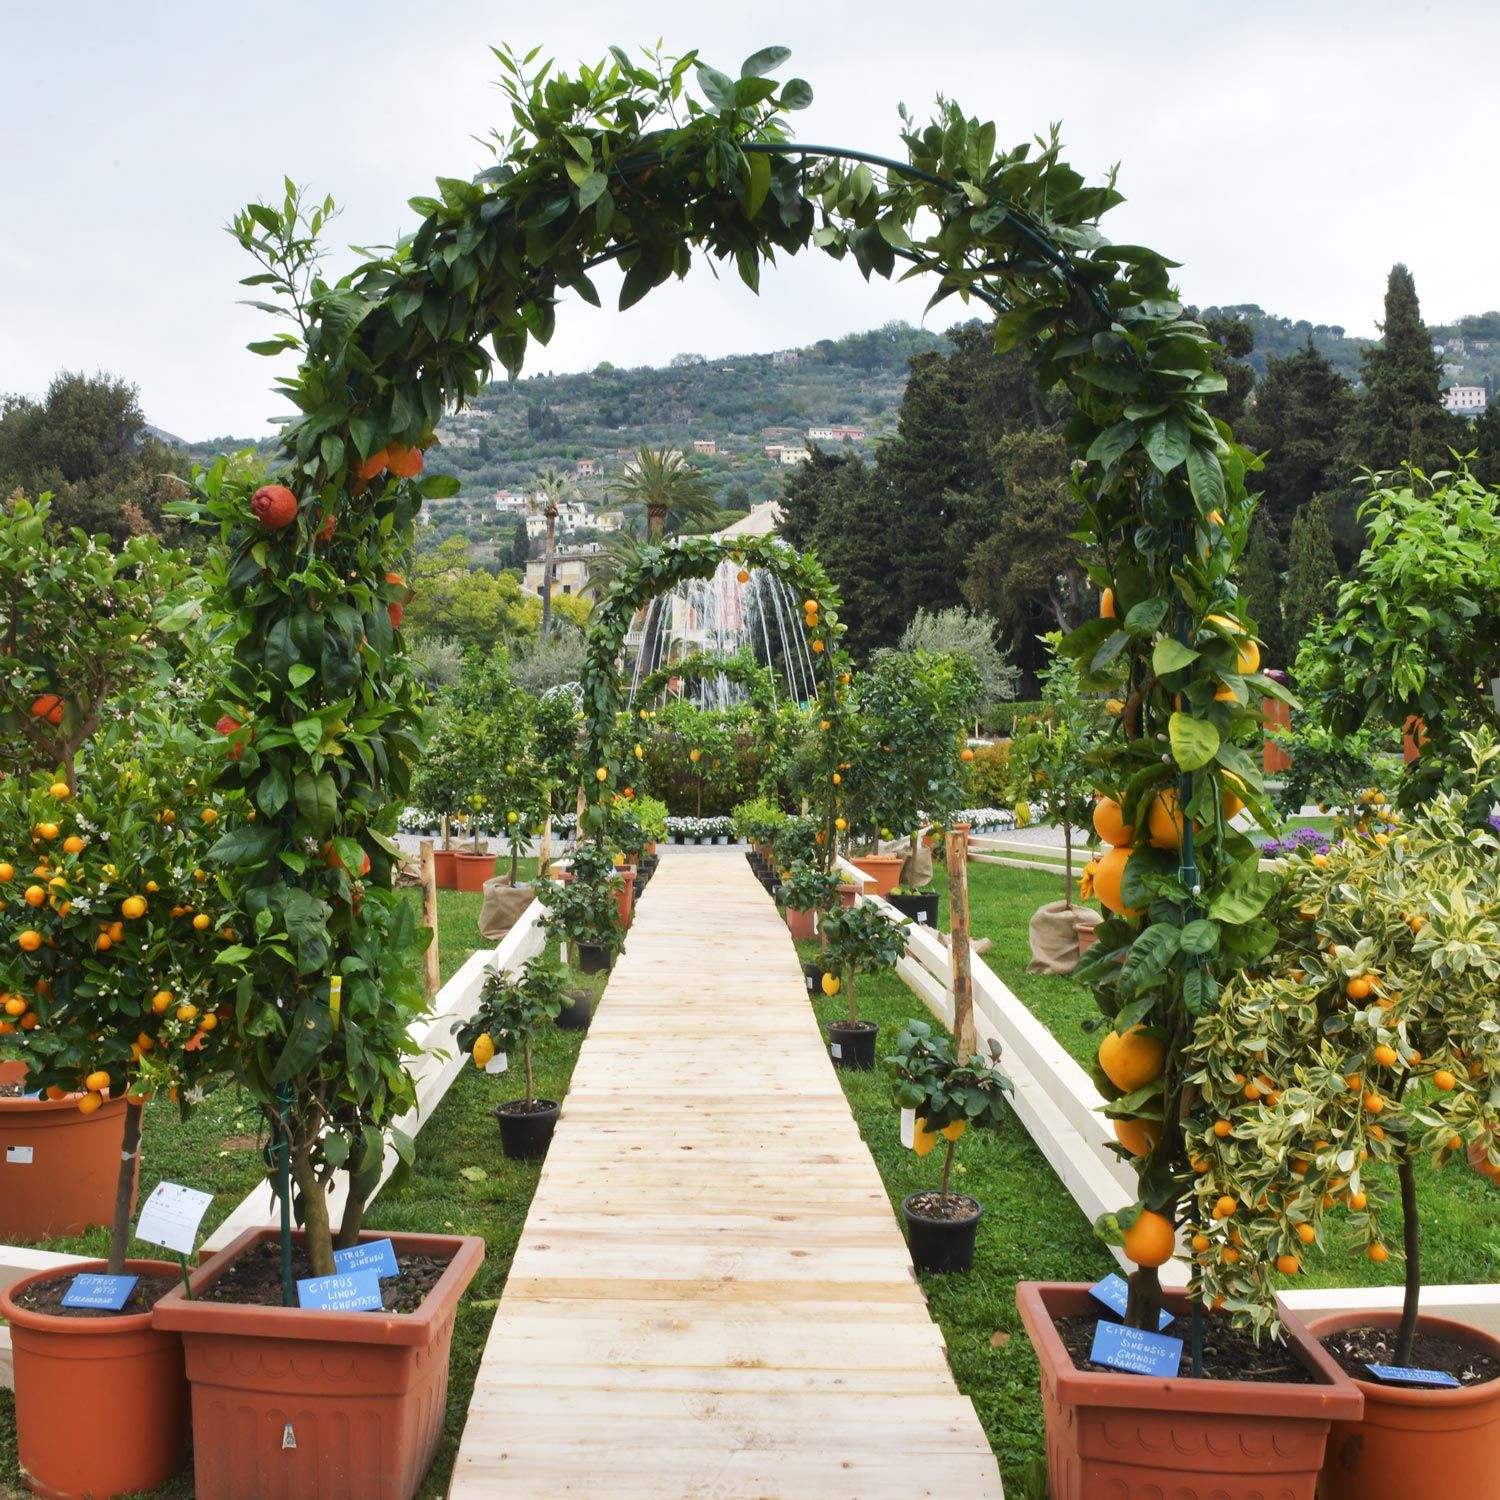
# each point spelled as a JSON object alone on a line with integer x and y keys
{"x": 1262, "y": 591}
{"x": 1312, "y": 572}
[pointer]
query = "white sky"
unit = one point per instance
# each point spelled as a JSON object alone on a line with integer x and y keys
{"x": 1286, "y": 152}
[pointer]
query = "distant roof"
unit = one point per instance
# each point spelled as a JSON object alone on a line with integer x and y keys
{"x": 762, "y": 521}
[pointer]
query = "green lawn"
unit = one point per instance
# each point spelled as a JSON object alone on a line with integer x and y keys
{"x": 462, "y": 1186}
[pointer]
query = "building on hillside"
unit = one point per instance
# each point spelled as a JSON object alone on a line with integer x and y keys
{"x": 785, "y": 357}
{"x": 509, "y": 501}
{"x": 792, "y": 456}
{"x": 1466, "y": 400}
{"x": 570, "y": 572}
{"x": 762, "y": 520}
{"x": 609, "y": 520}
{"x": 706, "y": 446}
{"x": 836, "y": 434}
{"x": 587, "y": 466}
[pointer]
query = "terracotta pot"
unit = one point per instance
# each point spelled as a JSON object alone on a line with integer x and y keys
{"x": 294, "y": 1404}
{"x": 1273, "y": 757}
{"x": 650, "y": 849}
{"x": 884, "y": 871}
{"x": 472, "y": 870}
{"x": 101, "y": 1402}
{"x": 445, "y": 868}
{"x": 802, "y": 925}
{"x": 58, "y": 1168}
{"x": 1412, "y": 1441}
{"x": 1087, "y": 937}
{"x": 1134, "y": 1435}
{"x": 625, "y": 895}
{"x": 848, "y": 895}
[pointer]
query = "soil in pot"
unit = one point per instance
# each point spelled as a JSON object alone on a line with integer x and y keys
{"x": 941, "y": 1229}
{"x": 101, "y": 1397}
{"x": 1414, "y": 1439}
{"x": 254, "y": 1279}
{"x": 1230, "y": 1437}
{"x": 304, "y": 1404}
{"x": 1228, "y": 1353}
{"x": 853, "y": 1046}
{"x": 578, "y": 1012}
{"x": 526, "y": 1129}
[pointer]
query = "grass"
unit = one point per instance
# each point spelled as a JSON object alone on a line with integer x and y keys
{"x": 462, "y": 1186}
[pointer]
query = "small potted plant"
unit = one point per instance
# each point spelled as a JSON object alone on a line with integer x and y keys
{"x": 858, "y": 940}
{"x": 807, "y": 892}
{"x": 1367, "y": 1038}
{"x": 651, "y": 814}
{"x": 584, "y": 909}
{"x": 446, "y": 781}
{"x": 945, "y": 1097}
{"x": 509, "y": 1013}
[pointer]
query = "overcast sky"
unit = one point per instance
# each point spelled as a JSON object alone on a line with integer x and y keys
{"x": 1287, "y": 153}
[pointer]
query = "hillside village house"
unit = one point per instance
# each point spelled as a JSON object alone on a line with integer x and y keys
{"x": 588, "y": 466}
{"x": 836, "y": 434}
{"x": 570, "y": 572}
{"x": 1466, "y": 400}
{"x": 706, "y": 446}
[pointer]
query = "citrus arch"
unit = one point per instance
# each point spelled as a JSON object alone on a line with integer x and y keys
{"x": 697, "y": 666}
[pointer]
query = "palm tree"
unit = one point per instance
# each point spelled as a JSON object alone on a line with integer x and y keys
{"x": 668, "y": 488}
{"x": 549, "y": 489}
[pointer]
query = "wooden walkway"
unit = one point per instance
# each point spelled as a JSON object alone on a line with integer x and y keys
{"x": 711, "y": 1296}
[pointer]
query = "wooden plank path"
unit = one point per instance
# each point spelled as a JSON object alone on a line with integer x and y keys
{"x": 711, "y": 1297}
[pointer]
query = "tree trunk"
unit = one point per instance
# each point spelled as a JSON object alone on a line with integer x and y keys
{"x": 853, "y": 1013}
{"x": 958, "y": 943}
{"x": 1410, "y": 1301}
{"x": 947, "y": 1169}
{"x": 1068, "y": 865}
{"x": 530, "y": 1083}
{"x": 353, "y": 1220}
{"x": 656, "y": 519}
{"x": 319, "y": 1234}
{"x": 1143, "y": 1304}
{"x": 130, "y": 1155}
{"x": 432, "y": 970}
{"x": 547, "y": 575}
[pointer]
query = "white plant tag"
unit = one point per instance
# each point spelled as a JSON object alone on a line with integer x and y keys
{"x": 288, "y": 1438}
{"x": 908, "y": 1128}
{"x": 18, "y": 1156}
{"x": 497, "y": 1064}
{"x": 172, "y": 1215}
{"x": 835, "y": 1049}
{"x": 921, "y": 919}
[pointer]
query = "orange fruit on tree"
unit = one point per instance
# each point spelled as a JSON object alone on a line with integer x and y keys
{"x": 924, "y": 1137}
{"x": 7, "y": 872}
{"x": 29, "y": 940}
{"x": 1288, "y": 1265}
{"x": 403, "y": 462}
{"x": 1107, "y": 605}
{"x": 35, "y": 895}
{"x": 73, "y": 844}
{"x": 1306, "y": 1233}
{"x": 1138, "y": 1137}
{"x": 15, "y": 1006}
{"x": 1444, "y": 1080}
{"x": 1201, "y": 1242}
{"x": 1109, "y": 879}
{"x": 1110, "y": 824}
{"x": 132, "y": 907}
{"x": 966, "y": 753}
{"x": 1378, "y": 1253}
{"x": 1357, "y": 1201}
{"x": 1359, "y": 988}
{"x": 1222, "y": 1128}
{"x": 1164, "y": 821}
{"x": 1151, "y": 1240}
{"x": 1133, "y": 1060}
{"x": 97, "y": 1081}
{"x": 88, "y": 1103}
{"x": 1225, "y": 1207}
{"x": 1387, "y": 1056}
{"x": 202, "y": 922}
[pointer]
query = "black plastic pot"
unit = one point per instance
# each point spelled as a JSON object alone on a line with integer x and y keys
{"x": 576, "y": 1015}
{"x": 922, "y": 909}
{"x": 812, "y": 973}
{"x": 593, "y": 958}
{"x": 942, "y": 1245}
{"x": 526, "y": 1133}
{"x": 852, "y": 1046}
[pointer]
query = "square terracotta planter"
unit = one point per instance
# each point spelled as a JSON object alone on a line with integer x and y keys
{"x": 1133, "y": 1436}
{"x": 295, "y": 1404}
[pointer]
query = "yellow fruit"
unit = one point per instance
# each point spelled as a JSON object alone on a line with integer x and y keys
{"x": 202, "y": 921}
{"x": 1151, "y": 1240}
{"x": 61, "y": 790}
{"x": 89, "y": 1103}
{"x": 132, "y": 907}
{"x": 1306, "y": 1233}
{"x": 73, "y": 844}
{"x": 924, "y": 1138}
{"x": 1110, "y": 824}
{"x": 954, "y": 1131}
{"x": 695, "y": 756}
{"x": 187, "y": 1012}
{"x": 830, "y": 985}
{"x": 47, "y": 830}
{"x": 841, "y": 824}
{"x": 1225, "y": 1207}
{"x": 210, "y": 815}
{"x": 1444, "y": 1080}
{"x": 161, "y": 1001}
{"x": 602, "y": 774}
{"x": 837, "y": 779}
{"x": 1133, "y": 1060}
{"x": 1137, "y": 1136}
{"x": 1109, "y": 879}
{"x": 1107, "y": 605}
{"x": 1288, "y": 1265}
{"x": 97, "y": 1081}
{"x": 483, "y": 1050}
{"x": 1164, "y": 821}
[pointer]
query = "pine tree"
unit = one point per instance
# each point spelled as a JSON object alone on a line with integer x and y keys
{"x": 1298, "y": 420}
{"x": 1400, "y": 417}
{"x": 1262, "y": 591}
{"x": 1312, "y": 573}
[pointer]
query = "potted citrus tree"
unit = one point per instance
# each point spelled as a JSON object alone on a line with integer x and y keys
{"x": 103, "y": 966}
{"x": 945, "y": 1098}
{"x": 453, "y": 766}
{"x": 509, "y": 1014}
{"x": 858, "y": 940}
{"x": 583, "y": 909}
{"x": 1365, "y": 1046}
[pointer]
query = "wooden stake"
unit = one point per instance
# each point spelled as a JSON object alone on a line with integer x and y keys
{"x": 958, "y": 942}
{"x": 432, "y": 971}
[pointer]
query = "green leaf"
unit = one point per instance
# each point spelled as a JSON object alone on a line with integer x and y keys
{"x": 1168, "y": 442}
{"x": 797, "y": 94}
{"x": 1244, "y": 900}
{"x": 591, "y": 189}
{"x": 439, "y": 486}
{"x": 718, "y": 88}
{"x": 1200, "y": 937}
{"x": 1206, "y": 476}
{"x": 309, "y": 1032}
{"x": 760, "y": 183}
{"x": 1195, "y": 742}
{"x": 251, "y": 845}
{"x": 473, "y": 1174}
{"x": 317, "y": 800}
{"x": 1149, "y": 956}
{"x": 767, "y": 60}
{"x": 1199, "y": 991}
{"x": 308, "y": 733}
{"x": 1171, "y": 656}
{"x": 1147, "y": 616}
{"x": 1112, "y": 444}
{"x": 301, "y": 674}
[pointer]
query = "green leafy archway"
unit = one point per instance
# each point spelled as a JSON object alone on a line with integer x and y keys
{"x": 658, "y": 569}
{"x": 699, "y": 666}
{"x": 623, "y": 162}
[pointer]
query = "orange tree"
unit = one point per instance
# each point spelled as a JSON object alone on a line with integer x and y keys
{"x": 645, "y": 162}
{"x": 1371, "y": 1036}
{"x": 109, "y": 929}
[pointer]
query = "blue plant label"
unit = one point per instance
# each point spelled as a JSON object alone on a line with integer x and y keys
{"x": 354, "y": 1291}
{"x": 1135, "y": 1351}
{"x": 110, "y": 1293}
{"x": 1411, "y": 1375}
{"x": 1114, "y": 1294}
{"x": 378, "y": 1256}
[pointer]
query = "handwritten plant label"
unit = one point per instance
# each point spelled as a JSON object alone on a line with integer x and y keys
{"x": 1135, "y": 1351}
{"x": 378, "y": 1256}
{"x": 1411, "y": 1375}
{"x": 19, "y": 1156}
{"x": 172, "y": 1215}
{"x": 1114, "y": 1294}
{"x": 108, "y": 1292}
{"x": 356, "y": 1291}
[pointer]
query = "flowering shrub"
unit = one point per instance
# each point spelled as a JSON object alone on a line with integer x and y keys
{"x": 701, "y": 828}
{"x": 1311, "y": 840}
